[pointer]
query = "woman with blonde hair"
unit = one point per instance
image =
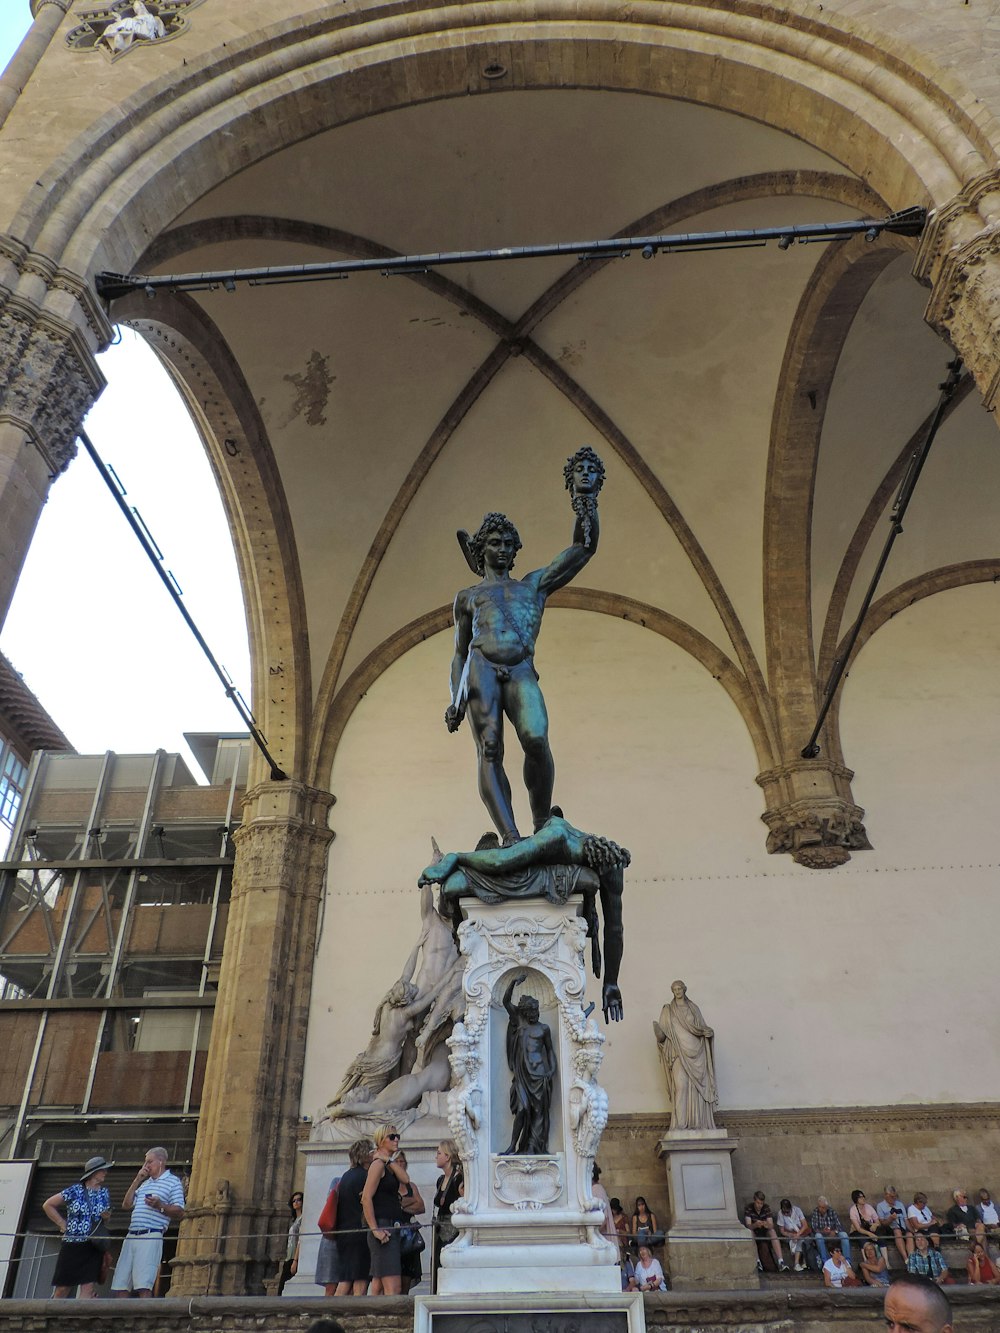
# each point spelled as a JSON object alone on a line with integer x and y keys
{"x": 450, "y": 1187}
{"x": 383, "y": 1213}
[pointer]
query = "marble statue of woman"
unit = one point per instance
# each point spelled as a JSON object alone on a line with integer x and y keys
{"x": 686, "y": 1045}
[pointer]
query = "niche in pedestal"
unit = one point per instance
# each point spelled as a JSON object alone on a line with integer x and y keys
{"x": 536, "y": 986}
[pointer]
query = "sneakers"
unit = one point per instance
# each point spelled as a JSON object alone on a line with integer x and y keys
{"x": 760, "y": 1266}
{"x": 799, "y": 1266}
{"x": 782, "y": 1266}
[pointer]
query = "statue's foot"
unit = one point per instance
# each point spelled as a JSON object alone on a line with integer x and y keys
{"x": 554, "y": 813}
{"x": 511, "y": 838}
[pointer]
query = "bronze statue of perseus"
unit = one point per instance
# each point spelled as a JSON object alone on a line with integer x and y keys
{"x": 497, "y": 622}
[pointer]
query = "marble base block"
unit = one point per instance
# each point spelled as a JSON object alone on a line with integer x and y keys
{"x": 619, "y": 1313}
{"x": 708, "y": 1247}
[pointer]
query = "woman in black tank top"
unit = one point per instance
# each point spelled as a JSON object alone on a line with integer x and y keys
{"x": 380, "y": 1203}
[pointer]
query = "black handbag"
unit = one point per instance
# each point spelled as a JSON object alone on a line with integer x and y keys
{"x": 99, "y": 1237}
{"x": 410, "y": 1239}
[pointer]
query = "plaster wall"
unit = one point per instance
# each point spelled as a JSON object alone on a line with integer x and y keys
{"x": 789, "y": 965}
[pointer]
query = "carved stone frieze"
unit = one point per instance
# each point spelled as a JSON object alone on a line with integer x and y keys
{"x": 820, "y": 1121}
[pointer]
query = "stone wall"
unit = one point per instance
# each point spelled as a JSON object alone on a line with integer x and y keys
{"x": 806, "y": 1311}
{"x": 829, "y": 1151}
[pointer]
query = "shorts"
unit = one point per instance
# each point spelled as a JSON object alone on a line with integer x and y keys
{"x": 353, "y": 1258}
{"x": 78, "y": 1262}
{"x": 138, "y": 1264}
{"x": 386, "y": 1259}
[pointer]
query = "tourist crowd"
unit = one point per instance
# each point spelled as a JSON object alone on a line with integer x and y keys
{"x": 822, "y": 1243}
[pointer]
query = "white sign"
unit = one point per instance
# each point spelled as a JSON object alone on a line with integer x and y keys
{"x": 15, "y": 1177}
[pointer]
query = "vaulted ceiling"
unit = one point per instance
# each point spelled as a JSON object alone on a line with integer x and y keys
{"x": 755, "y": 407}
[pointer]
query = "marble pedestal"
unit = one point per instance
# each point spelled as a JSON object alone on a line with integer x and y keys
{"x": 708, "y": 1247}
{"x": 527, "y": 1224}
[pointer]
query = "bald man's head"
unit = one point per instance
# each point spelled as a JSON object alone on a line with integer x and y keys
{"x": 916, "y": 1305}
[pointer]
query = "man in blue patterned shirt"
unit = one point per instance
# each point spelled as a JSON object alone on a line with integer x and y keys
{"x": 156, "y": 1198}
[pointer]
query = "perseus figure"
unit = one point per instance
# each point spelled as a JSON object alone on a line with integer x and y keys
{"x": 497, "y": 622}
{"x": 532, "y": 1061}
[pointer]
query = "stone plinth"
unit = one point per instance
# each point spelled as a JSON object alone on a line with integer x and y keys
{"x": 708, "y": 1247}
{"x": 527, "y": 1223}
{"x": 608, "y": 1313}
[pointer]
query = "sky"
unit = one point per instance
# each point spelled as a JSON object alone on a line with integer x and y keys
{"x": 91, "y": 628}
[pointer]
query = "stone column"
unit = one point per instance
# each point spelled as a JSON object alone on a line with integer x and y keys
{"x": 48, "y": 15}
{"x": 234, "y": 1233}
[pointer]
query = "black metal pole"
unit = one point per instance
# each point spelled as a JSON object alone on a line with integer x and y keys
{"x": 915, "y": 466}
{"x": 277, "y": 774}
{"x": 908, "y": 222}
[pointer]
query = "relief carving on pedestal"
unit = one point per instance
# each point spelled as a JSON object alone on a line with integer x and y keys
{"x": 527, "y": 1182}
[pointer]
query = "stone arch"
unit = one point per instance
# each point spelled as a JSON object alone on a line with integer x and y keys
{"x": 871, "y": 103}
{"x": 235, "y": 440}
{"x": 331, "y": 723}
{"x": 935, "y": 581}
{"x": 842, "y": 280}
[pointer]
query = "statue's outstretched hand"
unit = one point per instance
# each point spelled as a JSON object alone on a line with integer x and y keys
{"x": 453, "y": 717}
{"x": 611, "y": 1000}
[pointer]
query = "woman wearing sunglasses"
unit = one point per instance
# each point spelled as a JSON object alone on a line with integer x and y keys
{"x": 383, "y": 1213}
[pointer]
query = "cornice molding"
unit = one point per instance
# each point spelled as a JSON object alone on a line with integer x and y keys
{"x": 821, "y": 1121}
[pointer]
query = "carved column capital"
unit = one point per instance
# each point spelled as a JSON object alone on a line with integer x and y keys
{"x": 48, "y": 375}
{"x": 810, "y": 812}
{"x": 818, "y": 833}
{"x": 36, "y": 5}
{"x": 284, "y": 827}
{"x": 959, "y": 257}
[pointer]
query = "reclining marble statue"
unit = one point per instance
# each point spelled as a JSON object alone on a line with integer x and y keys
{"x": 406, "y": 1056}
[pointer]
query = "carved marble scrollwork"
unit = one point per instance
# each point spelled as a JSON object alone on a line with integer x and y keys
{"x": 527, "y": 1182}
{"x": 525, "y": 941}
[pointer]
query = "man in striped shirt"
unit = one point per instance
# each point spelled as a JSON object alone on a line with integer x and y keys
{"x": 156, "y": 1199}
